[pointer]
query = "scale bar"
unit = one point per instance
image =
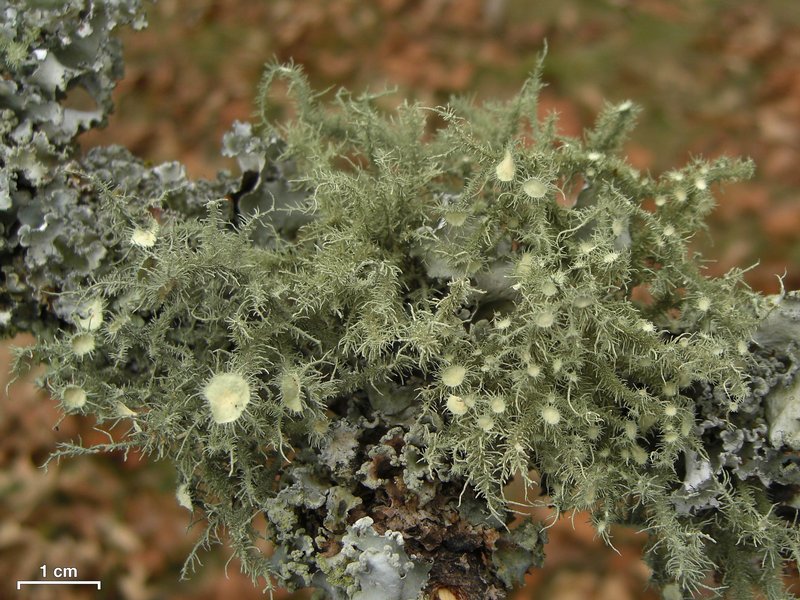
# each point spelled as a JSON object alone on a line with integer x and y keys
{"x": 62, "y": 582}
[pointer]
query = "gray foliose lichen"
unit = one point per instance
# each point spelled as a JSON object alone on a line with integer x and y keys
{"x": 757, "y": 438}
{"x": 361, "y": 516}
{"x": 52, "y": 238}
{"x": 60, "y": 64}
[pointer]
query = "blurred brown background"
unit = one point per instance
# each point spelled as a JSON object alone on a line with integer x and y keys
{"x": 714, "y": 77}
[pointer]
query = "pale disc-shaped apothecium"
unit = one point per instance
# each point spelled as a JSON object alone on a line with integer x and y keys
{"x": 453, "y": 376}
{"x": 74, "y": 397}
{"x": 498, "y": 405}
{"x": 228, "y": 394}
{"x": 456, "y": 218}
{"x": 183, "y": 496}
{"x": 506, "y": 168}
{"x": 456, "y": 405}
{"x": 551, "y": 415}
{"x": 90, "y": 316}
{"x": 83, "y": 344}
{"x": 485, "y": 422}
{"x": 145, "y": 238}
{"x": 291, "y": 392}
{"x": 534, "y": 188}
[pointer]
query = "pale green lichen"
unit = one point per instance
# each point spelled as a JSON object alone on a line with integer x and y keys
{"x": 74, "y": 397}
{"x": 419, "y": 317}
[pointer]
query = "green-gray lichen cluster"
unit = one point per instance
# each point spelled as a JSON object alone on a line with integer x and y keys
{"x": 49, "y": 51}
{"x": 60, "y": 63}
{"x": 391, "y": 316}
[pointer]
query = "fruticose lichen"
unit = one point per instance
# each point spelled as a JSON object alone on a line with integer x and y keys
{"x": 380, "y": 323}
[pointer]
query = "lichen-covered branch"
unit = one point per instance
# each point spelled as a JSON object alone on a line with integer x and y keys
{"x": 373, "y": 328}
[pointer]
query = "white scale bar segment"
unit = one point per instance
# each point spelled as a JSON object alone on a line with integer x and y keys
{"x": 62, "y": 582}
